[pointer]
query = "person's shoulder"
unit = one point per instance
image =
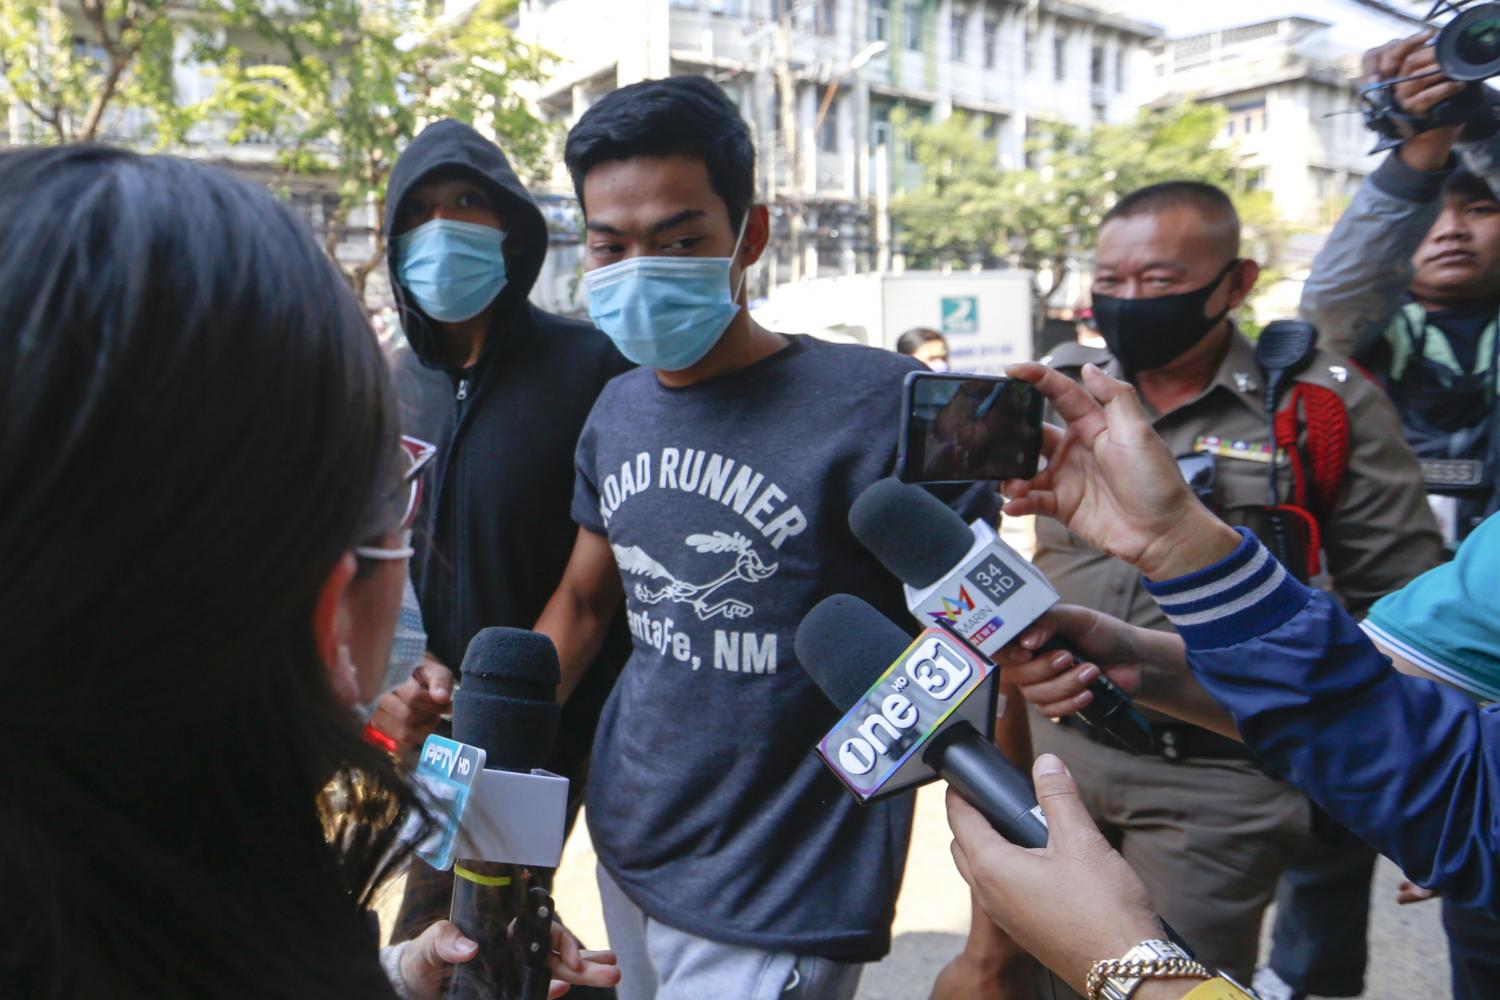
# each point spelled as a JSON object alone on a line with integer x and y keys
{"x": 576, "y": 333}
{"x": 584, "y": 345}
{"x": 1072, "y": 355}
{"x": 858, "y": 357}
{"x": 626, "y": 387}
{"x": 1344, "y": 378}
{"x": 860, "y": 371}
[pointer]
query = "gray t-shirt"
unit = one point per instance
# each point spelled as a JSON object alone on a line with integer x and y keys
{"x": 726, "y": 504}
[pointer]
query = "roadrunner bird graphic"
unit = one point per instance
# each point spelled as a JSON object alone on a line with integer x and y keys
{"x": 748, "y": 567}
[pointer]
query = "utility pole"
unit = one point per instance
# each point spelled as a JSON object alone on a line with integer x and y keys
{"x": 790, "y": 136}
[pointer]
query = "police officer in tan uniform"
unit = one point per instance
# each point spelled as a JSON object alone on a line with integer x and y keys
{"x": 1207, "y": 831}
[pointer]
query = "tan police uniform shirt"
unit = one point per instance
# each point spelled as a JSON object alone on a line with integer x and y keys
{"x": 1381, "y": 534}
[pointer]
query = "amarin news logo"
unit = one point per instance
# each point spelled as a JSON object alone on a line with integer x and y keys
{"x": 975, "y": 628}
{"x": 954, "y": 610}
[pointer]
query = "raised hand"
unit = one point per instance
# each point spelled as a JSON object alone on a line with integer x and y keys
{"x": 1111, "y": 480}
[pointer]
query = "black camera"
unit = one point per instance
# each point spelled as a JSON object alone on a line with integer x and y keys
{"x": 1468, "y": 51}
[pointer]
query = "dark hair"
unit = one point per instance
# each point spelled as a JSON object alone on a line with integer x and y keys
{"x": 195, "y": 424}
{"x": 914, "y": 338}
{"x": 1207, "y": 200}
{"x": 678, "y": 116}
{"x": 1467, "y": 187}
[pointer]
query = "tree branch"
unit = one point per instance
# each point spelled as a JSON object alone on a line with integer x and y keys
{"x": 335, "y": 227}
{"x": 119, "y": 61}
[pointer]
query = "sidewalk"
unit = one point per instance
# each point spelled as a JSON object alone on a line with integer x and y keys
{"x": 1408, "y": 954}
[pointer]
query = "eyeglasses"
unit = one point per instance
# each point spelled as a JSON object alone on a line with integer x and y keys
{"x": 1200, "y": 472}
{"x": 416, "y": 453}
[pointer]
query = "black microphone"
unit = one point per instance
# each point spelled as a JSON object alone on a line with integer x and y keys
{"x": 905, "y": 721}
{"x": 910, "y": 709}
{"x": 506, "y": 705}
{"x": 982, "y": 588}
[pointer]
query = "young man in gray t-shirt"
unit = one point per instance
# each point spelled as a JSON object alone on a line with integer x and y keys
{"x": 713, "y": 487}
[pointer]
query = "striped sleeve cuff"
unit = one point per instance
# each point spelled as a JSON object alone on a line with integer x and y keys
{"x": 1243, "y": 595}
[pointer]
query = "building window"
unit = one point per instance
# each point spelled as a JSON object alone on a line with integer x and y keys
{"x": 957, "y": 22}
{"x": 880, "y": 20}
{"x": 911, "y": 26}
{"x": 826, "y": 17}
{"x": 1096, "y": 65}
{"x": 1059, "y": 56}
{"x": 1028, "y": 49}
{"x": 991, "y": 42}
{"x": 828, "y": 135}
{"x": 1246, "y": 118}
{"x": 1120, "y": 70}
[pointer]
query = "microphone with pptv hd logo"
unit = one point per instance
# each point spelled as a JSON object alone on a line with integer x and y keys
{"x": 913, "y": 711}
{"x": 505, "y": 705}
{"x": 965, "y": 578}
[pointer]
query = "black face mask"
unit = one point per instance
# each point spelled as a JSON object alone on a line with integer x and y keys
{"x": 1148, "y": 333}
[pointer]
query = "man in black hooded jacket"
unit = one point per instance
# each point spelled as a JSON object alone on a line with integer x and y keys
{"x": 503, "y": 389}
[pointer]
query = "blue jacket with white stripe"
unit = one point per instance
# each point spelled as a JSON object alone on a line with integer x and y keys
{"x": 1408, "y": 764}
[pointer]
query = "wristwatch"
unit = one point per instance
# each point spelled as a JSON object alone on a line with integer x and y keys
{"x": 1117, "y": 978}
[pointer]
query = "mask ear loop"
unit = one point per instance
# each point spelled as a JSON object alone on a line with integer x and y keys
{"x": 735, "y": 255}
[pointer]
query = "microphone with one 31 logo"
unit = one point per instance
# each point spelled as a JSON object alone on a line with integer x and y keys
{"x": 913, "y": 711}
{"x": 964, "y": 577}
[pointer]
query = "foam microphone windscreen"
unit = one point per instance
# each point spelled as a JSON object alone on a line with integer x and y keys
{"x": 914, "y": 534}
{"x": 507, "y": 698}
{"x": 845, "y": 645}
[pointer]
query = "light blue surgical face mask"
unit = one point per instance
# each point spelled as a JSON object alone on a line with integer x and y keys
{"x": 665, "y": 312}
{"x": 453, "y": 269}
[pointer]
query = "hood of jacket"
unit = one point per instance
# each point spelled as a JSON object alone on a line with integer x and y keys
{"x": 449, "y": 144}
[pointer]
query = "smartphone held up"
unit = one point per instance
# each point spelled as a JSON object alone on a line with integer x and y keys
{"x": 958, "y": 428}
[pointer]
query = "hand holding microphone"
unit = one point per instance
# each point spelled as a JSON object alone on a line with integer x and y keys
{"x": 507, "y": 708}
{"x": 1069, "y": 904}
{"x": 968, "y": 580}
{"x": 1149, "y": 666}
{"x": 427, "y": 961}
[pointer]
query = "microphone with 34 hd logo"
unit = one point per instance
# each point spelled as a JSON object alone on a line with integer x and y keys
{"x": 913, "y": 711}
{"x": 963, "y": 577}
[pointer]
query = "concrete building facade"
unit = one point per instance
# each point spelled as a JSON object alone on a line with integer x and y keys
{"x": 1290, "y": 86}
{"x": 820, "y": 81}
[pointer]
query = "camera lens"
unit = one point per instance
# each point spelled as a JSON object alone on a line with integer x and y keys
{"x": 1480, "y": 42}
{"x": 1468, "y": 47}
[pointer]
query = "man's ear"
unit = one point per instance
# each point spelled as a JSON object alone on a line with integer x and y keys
{"x": 1241, "y": 281}
{"x": 757, "y": 235}
{"x": 330, "y": 619}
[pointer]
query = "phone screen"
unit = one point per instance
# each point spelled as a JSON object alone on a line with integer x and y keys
{"x": 969, "y": 428}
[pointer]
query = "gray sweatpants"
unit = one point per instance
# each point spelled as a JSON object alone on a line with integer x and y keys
{"x": 658, "y": 962}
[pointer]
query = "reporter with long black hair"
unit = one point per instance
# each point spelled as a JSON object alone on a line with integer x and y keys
{"x": 197, "y": 434}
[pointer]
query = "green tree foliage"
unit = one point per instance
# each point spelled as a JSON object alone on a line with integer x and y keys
{"x": 344, "y": 85}
{"x": 966, "y": 210}
{"x": 100, "y": 69}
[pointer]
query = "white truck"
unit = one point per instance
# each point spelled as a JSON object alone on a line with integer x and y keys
{"x": 984, "y": 315}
